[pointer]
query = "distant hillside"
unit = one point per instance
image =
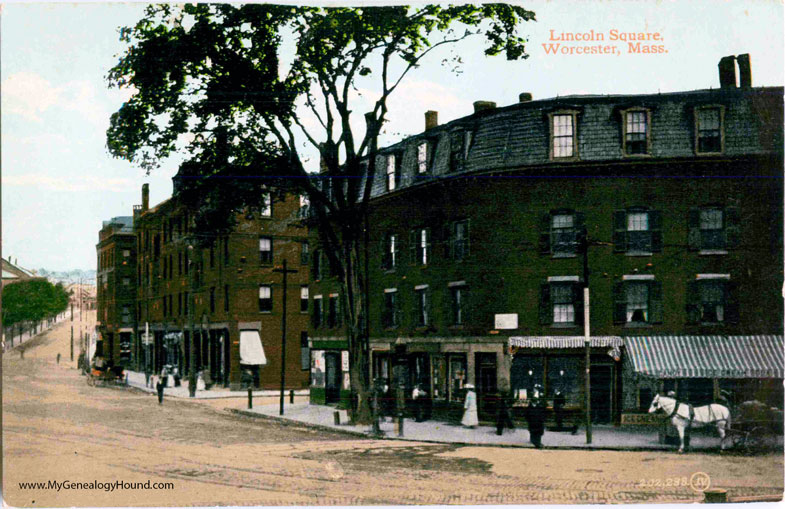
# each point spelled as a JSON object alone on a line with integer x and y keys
{"x": 70, "y": 276}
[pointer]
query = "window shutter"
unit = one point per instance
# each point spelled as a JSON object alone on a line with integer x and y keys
{"x": 397, "y": 250}
{"x": 577, "y": 302}
{"x": 413, "y": 247}
{"x": 619, "y": 304}
{"x": 731, "y": 302}
{"x": 545, "y": 234}
{"x": 428, "y": 250}
{"x": 693, "y": 302}
{"x": 655, "y": 302}
{"x": 619, "y": 231}
{"x": 694, "y": 232}
{"x": 546, "y": 311}
{"x": 655, "y": 225}
{"x": 731, "y": 227}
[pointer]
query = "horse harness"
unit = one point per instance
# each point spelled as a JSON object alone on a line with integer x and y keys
{"x": 676, "y": 410}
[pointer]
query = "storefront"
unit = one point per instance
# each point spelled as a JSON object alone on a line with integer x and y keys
{"x": 558, "y": 364}
{"x": 329, "y": 371}
{"x": 701, "y": 369}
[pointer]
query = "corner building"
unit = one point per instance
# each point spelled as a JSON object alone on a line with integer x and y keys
{"x": 477, "y": 268}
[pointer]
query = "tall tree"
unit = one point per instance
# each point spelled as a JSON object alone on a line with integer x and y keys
{"x": 211, "y": 81}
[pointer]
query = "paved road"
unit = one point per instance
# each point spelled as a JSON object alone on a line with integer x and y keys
{"x": 56, "y": 428}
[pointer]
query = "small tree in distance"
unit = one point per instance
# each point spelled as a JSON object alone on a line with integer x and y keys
{"x": 209, "y": 81}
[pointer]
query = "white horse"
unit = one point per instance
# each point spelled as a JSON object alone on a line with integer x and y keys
{"x": 683, "y": 415}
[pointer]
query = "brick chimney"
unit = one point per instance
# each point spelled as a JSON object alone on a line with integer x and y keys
{"x": 745, "y": 71}
{"x": 431, "y": 119}
{"x": 483, "y": 105}
{"x": 727, "y": 69}
{"x": 524, "y": 97}
{"x": 145, "y": 197}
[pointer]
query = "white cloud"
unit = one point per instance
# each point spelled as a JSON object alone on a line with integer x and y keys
{"x": 69, "y": 184}
{"x": 28, "y": 94}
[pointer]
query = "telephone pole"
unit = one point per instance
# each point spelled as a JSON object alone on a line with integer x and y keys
{"x": 584, "y": 242}
{"x": 284, "y": 271}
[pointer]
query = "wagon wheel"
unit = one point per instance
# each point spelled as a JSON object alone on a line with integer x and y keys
{"x": 758, "y": 439}
{"x": 732, "y": 440}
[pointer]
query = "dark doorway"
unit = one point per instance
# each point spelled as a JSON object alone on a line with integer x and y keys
{"x": 601, "y": 394}
{"x": 332, "y": 386}
{"x": 485, "y": 376}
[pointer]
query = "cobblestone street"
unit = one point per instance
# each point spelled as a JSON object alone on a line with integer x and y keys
{"x": 57, "y": 428}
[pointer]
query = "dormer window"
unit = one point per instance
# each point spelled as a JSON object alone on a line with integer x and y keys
{"x": 564, "y": 143}
{"x": 392, "y": 172}
{"x": 709, "y": 131}
{"x": 422, "y": 157}
{"x": 636, "y": 132}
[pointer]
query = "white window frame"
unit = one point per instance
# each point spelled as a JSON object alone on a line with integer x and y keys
{"x": 422, "y": 157}
{"x": 392, "y": 179}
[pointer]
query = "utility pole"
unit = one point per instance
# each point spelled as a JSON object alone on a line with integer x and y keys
{"x": 285, "y": 271}
{"x": 191, "y": 310}
{"x": 586, "y": 329}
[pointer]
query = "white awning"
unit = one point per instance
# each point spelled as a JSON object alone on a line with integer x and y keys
{"x": 251, "y": 350}
{"x": 564, "y": 341}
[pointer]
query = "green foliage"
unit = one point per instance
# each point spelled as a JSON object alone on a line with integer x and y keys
{"x": 32, "y": 300}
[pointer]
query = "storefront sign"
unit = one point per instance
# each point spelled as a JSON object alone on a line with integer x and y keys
{"x": 641, "y": 419}
{"x": 506, "y": 321}
{"x": 345, "y": 361}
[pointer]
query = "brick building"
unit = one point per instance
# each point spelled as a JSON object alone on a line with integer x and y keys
{"x": 115, "y": 289}
{"x": 225, "y": 289}
{"x": 477, "y": 268}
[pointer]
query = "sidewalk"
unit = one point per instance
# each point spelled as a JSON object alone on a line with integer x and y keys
{"x": 136, "y": 379}
{"x": 603, "y": 437}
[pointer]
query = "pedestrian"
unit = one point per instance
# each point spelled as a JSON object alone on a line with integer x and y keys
{"x": 147, "y": 377}
{"x": 159, "y": 386}
{"x": 535, "y": 416}
{"x": 503, "y": 416}
{"x": 470, "y": 419}
{"x": 58, "y": 358}
{"x": 558, "y": 408}
{"x": 419, "y": 396}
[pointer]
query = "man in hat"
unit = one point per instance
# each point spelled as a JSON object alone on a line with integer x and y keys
{"x": 535, "y": 416}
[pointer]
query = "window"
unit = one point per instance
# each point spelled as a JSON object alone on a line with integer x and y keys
{"x": 226, "y": 250}
{"x": 266, "y": 206}
{"x": 390, "y": 314}
{"x": 304, "y": 299}
{"x": 563, "y": 142}
{"x": 316, "y": 265}
{"x": 226, "y": 298}
{"x": 713, "y": 229}
{"x": 637, "y": 231}
{"x": 561, "y": 301}
{"x": 637, "y": 300}
{"x": 460, "y": 240}
{"x": 126, "y": 281}
{"x": 212, "y": 299}
{"x": 126, "y": 253}
{"x": 186, "y": 299}
{"x": 180, "y": 304}
{"x": 305, "y": 204}
{"x": 265, "y": 250}
{"x": 392, "y": 172}
{"x": 332, "y": 311}
{"x": 305, "y": 254}
{"x": 265, "y": 298}
{"x": 419, "y": 245}
{"x": 709, "y": 136}
{"x": 711, "y": 300}
{"x": 126, "y": 315}
{"x": 636, "y": 132}
{"x": 212, "y": 256}
{"x": 316, "y": 314}
{"x": 559, "y": 233}
{"x": 422, "y": 157}
{"x": 421, "y": 305}
{"x": 458, "y": 298}
{"x": 390, "y": 256}
{"x": 305, "y": 352}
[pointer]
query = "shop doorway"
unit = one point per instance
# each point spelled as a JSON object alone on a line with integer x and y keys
{"x": 332, "y": 386}
{"x": 601, "y": 393}
{"x": 485, "y": 375}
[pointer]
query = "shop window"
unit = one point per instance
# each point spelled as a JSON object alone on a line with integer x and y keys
{"x": 713, "y": 229}
{"x": 709, "y": 130}
{"x": 564, "y": 376}
{"x": 561, "y": 301}
{"x": 419, "y": 245}
{"x": 265, "y": 298}
{"x": 712, "y": 300}
{"x": 304, "y": 299}
{"x": 456, "y": 366}
{"x": 637, "y": 301}
{"x": 637, "y": 231}
{"x": 316, "y": 313}
{"x": 526, "y": 371}
{"x": 265, "y": 250}
{"x": 390, "y": 313}
{"x": 390, "y": 257}
{"x": 636, "y": 132}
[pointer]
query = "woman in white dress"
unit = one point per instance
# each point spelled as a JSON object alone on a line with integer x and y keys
{"x": 470, "y": 419}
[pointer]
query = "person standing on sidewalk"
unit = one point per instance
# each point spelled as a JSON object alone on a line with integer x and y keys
{"x": 503, "y": 416}
{"x": 159, "y": 387}
{"x": 470, "y": 419}
{"x": 535, "y": 416}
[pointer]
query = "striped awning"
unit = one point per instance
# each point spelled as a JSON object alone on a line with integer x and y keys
{"x": 564, "y": 341}
{"x": 706, "y": 356}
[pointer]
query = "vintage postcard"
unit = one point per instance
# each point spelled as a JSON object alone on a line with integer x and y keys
{"x": 369, "y": 253}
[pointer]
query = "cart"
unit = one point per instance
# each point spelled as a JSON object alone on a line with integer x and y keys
{"x": 755, "y": 428}
{"x": 98, "y": 377}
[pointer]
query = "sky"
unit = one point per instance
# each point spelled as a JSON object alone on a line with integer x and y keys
{"x": 59, "y": 182}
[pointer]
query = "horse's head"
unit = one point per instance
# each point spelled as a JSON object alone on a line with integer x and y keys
{"x": 655, "y": 404}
